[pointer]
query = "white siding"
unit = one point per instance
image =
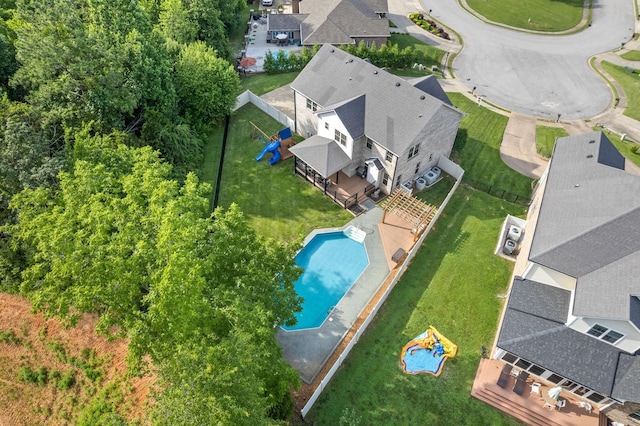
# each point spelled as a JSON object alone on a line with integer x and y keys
{"x": 334, "y": 123}
{"x": 306, "y": 120}
{"x": 548, "y": 276}
{"x": 630, "y": 342}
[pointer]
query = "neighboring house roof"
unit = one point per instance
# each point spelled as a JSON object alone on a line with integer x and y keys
{"x": 285, "y": 22}
{"x": 396, "y": 113}
{"x": 351, "y": 113}
{"x": 430, "y": 85}
{"x": 533, "y": 328}
{"x": 587, "y": 226}
{"x": 322, "y": 154}
{"x": 339, "y": 21}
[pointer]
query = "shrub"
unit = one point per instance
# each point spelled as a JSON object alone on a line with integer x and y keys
{"x": 9, "y": 337}
{"x": 66, "y": 381}
{"x": 635, "y": 149}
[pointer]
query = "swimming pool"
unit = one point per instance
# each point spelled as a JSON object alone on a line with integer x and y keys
{"x": 332, "y": 262}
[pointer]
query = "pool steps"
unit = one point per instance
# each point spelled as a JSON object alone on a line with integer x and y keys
{"x": 354, "y": 233}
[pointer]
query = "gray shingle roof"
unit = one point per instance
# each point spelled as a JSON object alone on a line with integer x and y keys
{"x": 322, "y": 154}
{"x": 430, "y": 85}
{"x": 550, "y": 344}
{"x": 351, "y": 112}
{"x": 627, "y": 385}
{"x": 338, "y": 21}
{"x": 543, "y": 301}
{"x": 587, "y": 226}
{"x": 284, "y": 22}
{"x": 396, "y": 113}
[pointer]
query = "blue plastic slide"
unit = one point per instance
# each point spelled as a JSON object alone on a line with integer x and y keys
{"x": 273, "y": 148}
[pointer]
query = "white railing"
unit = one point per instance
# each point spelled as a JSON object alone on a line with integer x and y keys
{"x": 327, "y": 378}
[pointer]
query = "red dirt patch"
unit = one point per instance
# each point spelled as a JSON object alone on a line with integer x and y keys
{"x": 45, "y": 343}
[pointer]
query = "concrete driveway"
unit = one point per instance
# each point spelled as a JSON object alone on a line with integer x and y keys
{"x": 534, "y": 74}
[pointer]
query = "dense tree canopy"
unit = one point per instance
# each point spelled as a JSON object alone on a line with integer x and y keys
{"x": 121, "y": 239}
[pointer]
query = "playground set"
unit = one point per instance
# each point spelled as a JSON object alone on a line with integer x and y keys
{"x": 278, "y": 144}
{"x": 427, "y": 353}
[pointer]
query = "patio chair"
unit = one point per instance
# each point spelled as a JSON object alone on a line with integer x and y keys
{"x": 586, "y": 406}
{"x": 535, "y": 389}
{"x": 504, "y": 376}
{"x": 561, "y": 403}
{"x": 521, "y": 382}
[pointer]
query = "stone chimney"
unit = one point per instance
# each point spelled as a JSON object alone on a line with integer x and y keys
{"x": 295, "y": 6}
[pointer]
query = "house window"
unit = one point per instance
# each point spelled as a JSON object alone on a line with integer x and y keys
{"x": 635, "y": 416}
{"x": 369, "y": 144}
{"x": 523, "y": 364}
{"x": 596, "y": 397}
{"x": 388, "y": 156}
{"x": 385, "y": 179}
{"x": 417, "y": 169}
{"x": 398, "y": 181}
{"x": 312, "y": 105}
{"x": 413, "y": 151}
{"x": 510, "y": 358}
{"x": 340, "y": 138}
{"x": 554, "y": 378}
{"x": 326, "y": 125}
{"x": 605, "y": 334}
{"x": 537, "y": 370}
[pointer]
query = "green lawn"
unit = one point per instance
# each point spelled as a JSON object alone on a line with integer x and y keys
{"x": 630, "y": 83}
{"x": 477, "y": 148}
{"x": 262, "y": 83}
{"x": 631, "y": 55}
{"x": 546, "y": 138}
{"x": 279, "y": 204}
{"x": 539, "y": 15}
{"x": 427, "y": 55}
{"x": 453, "y": 284}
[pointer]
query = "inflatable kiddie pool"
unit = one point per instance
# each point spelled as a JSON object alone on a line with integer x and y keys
{"x": 427, "y": 353}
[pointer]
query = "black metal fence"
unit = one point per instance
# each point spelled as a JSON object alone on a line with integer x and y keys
{"x": 498, "y": 192}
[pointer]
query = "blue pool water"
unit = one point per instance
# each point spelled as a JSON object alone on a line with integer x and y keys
{"x": 332, "y": 262}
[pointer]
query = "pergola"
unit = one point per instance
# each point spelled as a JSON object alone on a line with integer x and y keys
{"x": 411, "y": 210}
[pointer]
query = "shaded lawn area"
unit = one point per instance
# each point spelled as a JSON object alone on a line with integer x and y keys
{"x": 546, "y": 138}
{"x": 278, "y": 204}
{"x": 630, "y": 83}
{"x": 262, "y": 83}
{"x": 539, "y": 15}
{"x": 452, "y": 284}
{"x": 477, "y": 148}
{"x": 425, "y": 54}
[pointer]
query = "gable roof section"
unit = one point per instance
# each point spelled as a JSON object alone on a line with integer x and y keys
{"x": 323, "y": 155}
{"x": 627, "y": 385}
{"x": 430, "y": 85}
{"x": 587, "y": 226}
{"x": 351, "y": 113}
{"x": 395, "y": 111}
{"x": 547, "y": 342}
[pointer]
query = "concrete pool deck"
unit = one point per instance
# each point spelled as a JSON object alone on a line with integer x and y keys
{"x": 308, "y": 350}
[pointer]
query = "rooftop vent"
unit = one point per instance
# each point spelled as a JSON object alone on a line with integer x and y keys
{"x": 398, "y": 84}
{"x": 589, "y": 156}
{"x": 351, "y": 60}
{"x": 422, "y": 97}
{"x": 332, "y": 50}
{"x": 375, "y": 72}
{"x": 592, "y": 141}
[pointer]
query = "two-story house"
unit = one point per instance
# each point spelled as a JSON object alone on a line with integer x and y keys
{"x": 573, "y": 313}
{"x": 357, "y": 117}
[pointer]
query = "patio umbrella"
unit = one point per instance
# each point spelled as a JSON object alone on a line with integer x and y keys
{"x": 247, "y": 61}
{"x": 282, "y": 36}
{"x": 554, "y": 393}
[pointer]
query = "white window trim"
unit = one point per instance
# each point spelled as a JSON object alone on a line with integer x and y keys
{"x": 604, "y": 333}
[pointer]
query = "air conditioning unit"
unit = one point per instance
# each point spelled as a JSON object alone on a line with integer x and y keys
{"x": 515, "y": 233}
{"x": 509, "y": 247}
{"x": 420, "y": 183}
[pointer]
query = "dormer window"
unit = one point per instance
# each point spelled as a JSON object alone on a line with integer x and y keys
{"x": 603, "y": 333}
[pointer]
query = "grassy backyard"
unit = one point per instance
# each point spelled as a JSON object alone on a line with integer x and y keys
{"x": 452, "y": 284}
{"x": 539, "y": 15}
{"x": 477, "y": 148}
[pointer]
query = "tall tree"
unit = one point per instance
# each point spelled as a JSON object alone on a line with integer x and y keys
{"x": 193, "y": 292}
{"x": 207, "y": 85}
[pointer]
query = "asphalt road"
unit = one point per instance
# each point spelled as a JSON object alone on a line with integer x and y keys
{"x": 534, "y": 74}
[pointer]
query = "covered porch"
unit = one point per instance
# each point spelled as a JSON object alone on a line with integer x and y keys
{"x": 320, "y": 161}
{"x": 529, "y": 407}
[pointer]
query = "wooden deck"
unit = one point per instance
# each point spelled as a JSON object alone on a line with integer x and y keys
{"x": 527, "y": 408}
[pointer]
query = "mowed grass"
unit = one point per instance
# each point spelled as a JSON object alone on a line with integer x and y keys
{"x": 278, "y": 204}
{"x": 630, "y": 82}
{"x": 452, "y": 284}
{"x": 546, "y": 139}
{"x": 263, "y": 83}
{"x": 631, "y": 55}
{"x": 539, "y": 15}
{"x": 477, "y": 148}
